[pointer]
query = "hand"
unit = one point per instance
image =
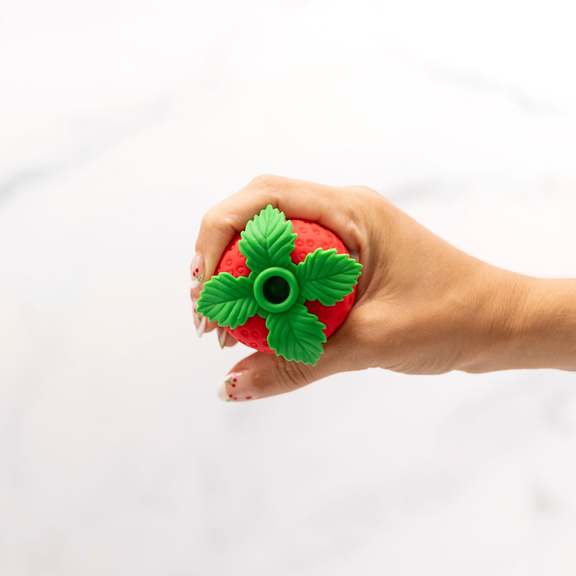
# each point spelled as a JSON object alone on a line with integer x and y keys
{"x": 422, "y": 305}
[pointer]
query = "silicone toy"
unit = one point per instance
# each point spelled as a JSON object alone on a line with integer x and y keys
{"x": 282, "y": 286}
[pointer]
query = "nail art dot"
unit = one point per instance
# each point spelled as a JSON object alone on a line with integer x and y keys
{"x": 248, "y": 397}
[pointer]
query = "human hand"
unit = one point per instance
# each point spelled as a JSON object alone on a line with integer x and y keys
{"x": 422, "y": 305}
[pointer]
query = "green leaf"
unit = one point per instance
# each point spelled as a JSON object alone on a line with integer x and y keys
{"x": 227, "y": 300}
{"x": 262, "y": 313}
{"x": 268, "y": 240}
{"x": 327, "y": 276}
{"x": 296, "y": 334}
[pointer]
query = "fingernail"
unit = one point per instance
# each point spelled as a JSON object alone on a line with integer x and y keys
{"x": 199, "y": 319}
{"x": 196, "y": 270}
{"x": 221, "y": 336}
{"x": 355, "y": 255}
{"x": 236, "y": 387}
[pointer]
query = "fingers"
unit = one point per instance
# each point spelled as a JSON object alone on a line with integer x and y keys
{"x": 335, "y": 208}
{"x": 296, "y": 198}
{"x": 225, "y": 339}
{"x": 262, "y": 375}
{"x": 201, "y": 323}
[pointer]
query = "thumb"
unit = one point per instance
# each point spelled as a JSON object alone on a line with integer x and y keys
{"x": 262, "y": 375}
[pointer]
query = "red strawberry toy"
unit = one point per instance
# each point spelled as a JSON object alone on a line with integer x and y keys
{"x": 282, "y": 286}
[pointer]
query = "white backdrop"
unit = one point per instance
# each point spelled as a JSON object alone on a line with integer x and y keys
{"x": 121, "y": 122}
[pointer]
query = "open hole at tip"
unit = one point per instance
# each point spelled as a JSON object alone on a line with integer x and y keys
{"x": 276, "y": 289}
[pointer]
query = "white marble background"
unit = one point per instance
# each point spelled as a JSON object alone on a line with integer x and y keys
{"x": 121, "y": 122}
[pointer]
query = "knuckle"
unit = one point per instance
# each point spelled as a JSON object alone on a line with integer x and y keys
{"x": 359, "y": 327}
{"x": 368, "y": 194}
{"x": 368, "y": 190}
{"x": 292, "y": 375}
{"x": 216, "y": 220}
{"x": 229, "y": 221}
{"x": 209, "y": 220}
{"x": 269, "y": 182}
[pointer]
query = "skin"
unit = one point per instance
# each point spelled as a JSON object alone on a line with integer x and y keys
{"x": 422, "y": 306}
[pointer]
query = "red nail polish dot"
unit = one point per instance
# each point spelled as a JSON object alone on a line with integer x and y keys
{"x": 235, "y": 398}
{"x": 229, "y": 395}
{"x": 248, "y": 397}
{"x": 233, "y": 385}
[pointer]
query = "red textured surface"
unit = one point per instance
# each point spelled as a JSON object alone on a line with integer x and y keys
{"x": 310, "y": 236}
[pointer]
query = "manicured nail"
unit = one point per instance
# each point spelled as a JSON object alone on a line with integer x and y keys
{"x": 236, "y": 387}
{"x": 196, "y": 270}
{"x": 199, "y": 319}
{"x": 221, "y": 336}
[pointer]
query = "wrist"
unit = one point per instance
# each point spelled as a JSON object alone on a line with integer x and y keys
{"x": 547, "y": 336}
{"x": 522, "y": 322}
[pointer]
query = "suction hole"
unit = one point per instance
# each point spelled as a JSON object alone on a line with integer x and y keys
{"x": 276, "y": 289}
